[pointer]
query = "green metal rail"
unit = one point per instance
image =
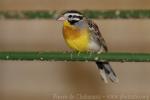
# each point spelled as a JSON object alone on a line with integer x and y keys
{"x": 96, "y": 14}
{"x": 75, "y": 56}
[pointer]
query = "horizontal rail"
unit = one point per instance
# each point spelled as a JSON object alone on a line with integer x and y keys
{"x": 75, "y": 56}
{"x": 96, "y": 14}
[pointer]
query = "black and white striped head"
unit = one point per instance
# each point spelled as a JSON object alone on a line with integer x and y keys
{"x": 71, "y": 16}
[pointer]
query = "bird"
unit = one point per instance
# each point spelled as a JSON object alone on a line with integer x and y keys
{"x": 83, "y": 35}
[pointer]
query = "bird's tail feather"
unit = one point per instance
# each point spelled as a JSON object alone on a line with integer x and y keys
{"x": 107, "y": 72}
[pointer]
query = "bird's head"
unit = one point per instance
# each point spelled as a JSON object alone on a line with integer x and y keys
{"x": 72, "y": 16}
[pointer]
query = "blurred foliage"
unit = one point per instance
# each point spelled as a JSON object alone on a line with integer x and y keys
{"x": 107, "y": 14}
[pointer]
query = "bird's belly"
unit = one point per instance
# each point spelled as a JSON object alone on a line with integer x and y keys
{"x": 76, "y": 38}
{"x": 93, "y": 46}
{"x": 80, "y": 43}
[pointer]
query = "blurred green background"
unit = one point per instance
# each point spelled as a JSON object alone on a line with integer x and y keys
{"x": 36, "y": 80}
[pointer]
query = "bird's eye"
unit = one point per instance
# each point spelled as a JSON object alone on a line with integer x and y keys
{"x": 70, "y": 16}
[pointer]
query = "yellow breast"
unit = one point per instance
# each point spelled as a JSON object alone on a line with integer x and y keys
{"x": 75, "y": 37}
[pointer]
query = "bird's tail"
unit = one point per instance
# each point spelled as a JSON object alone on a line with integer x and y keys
{"x": 107, "y": 72}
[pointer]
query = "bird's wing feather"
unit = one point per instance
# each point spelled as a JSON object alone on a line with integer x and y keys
{"x": 96, "y": 34}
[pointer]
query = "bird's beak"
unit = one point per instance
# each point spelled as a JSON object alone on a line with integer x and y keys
{"x": 61, "y": 18}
